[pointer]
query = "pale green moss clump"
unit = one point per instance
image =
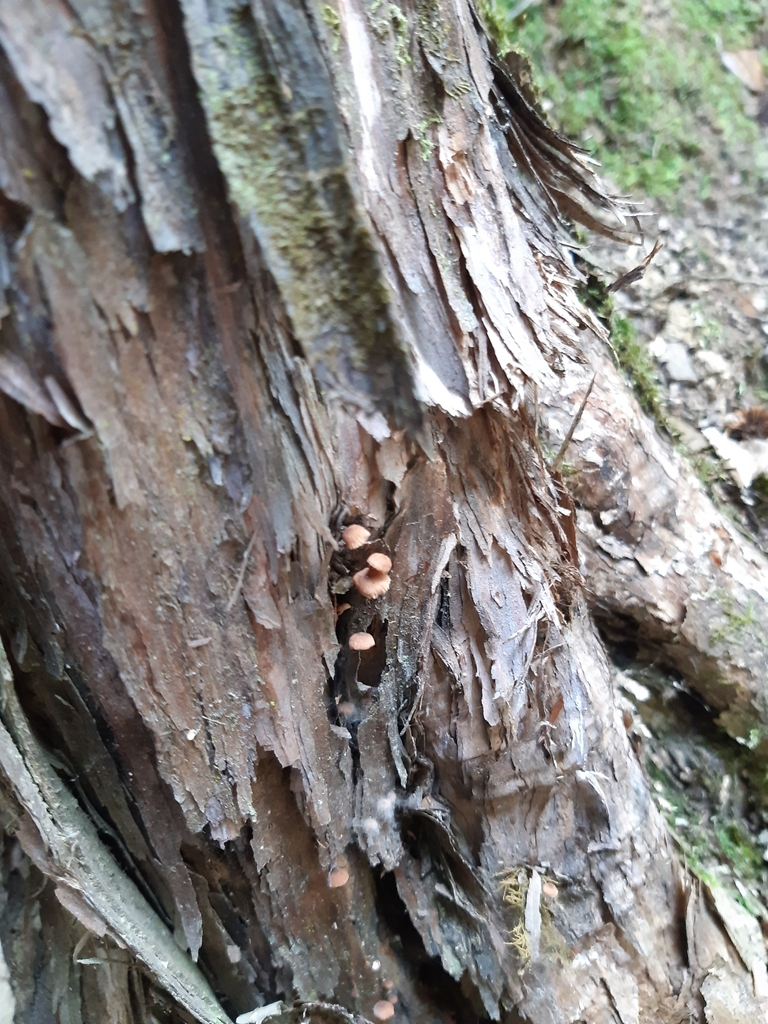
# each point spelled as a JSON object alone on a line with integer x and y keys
{"x": 276, "y": 141}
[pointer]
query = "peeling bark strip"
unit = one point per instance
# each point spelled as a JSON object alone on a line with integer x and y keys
{"x": 302, "y": 267}
{"x": 89, "y": 882}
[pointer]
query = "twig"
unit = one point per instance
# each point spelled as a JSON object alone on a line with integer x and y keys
{"x": 576, "y": 420}
{"x": 241, "y": 574}
{"x": 636, "y": 273}
{"x": 101, "y": 893}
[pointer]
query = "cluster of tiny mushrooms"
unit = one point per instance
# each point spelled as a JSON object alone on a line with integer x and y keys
{"x": 371, "y": 582}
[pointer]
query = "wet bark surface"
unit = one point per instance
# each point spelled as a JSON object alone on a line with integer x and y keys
{"x": 269, "y": 271}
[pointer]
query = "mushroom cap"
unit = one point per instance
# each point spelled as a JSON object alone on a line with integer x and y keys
{"x": 361, "y": 642}
{"x": 549, "y": 889}
{"x": 383, "y": 1010}
{"x": 370, "y": 583}
{"x": 355, "y": 536}
{"x": 337, "y": 877}
{"x": 379, "y": 562}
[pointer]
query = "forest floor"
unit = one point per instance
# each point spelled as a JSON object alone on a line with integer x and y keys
{"x": 643, "y": 85}
{"x": 700, "y": 315}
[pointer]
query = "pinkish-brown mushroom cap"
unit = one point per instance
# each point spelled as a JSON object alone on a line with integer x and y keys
{"x": 355, "y": 536}
{"x": 379, "y": 562}
{"x": 337, "y": 877}
{"x": 361, "y": 642}
{"x": 370, "y": 583}
{"x": 383, "y": 1010}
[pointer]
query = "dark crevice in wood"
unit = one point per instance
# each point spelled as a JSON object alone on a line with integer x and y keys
{"x": 48, "y": 157}
{"x": 13, "y": 219}
{"x": 70, "y": 749}
{"x": 373, "y": 662}
{"x": 435, "y": 986}
{"x": 195, "y": 141}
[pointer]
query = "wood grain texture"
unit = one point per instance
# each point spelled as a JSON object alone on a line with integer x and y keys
{"x": 302, "y": 265}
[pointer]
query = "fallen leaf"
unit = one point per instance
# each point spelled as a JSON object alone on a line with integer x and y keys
{"x": 751, "y": 421}
{"x": 747, "y": 66}
{"x": 745, "y": 306}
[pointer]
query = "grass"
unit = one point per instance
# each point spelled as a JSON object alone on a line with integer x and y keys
{"x": 707, "y": 467}
{"x": 645, "y": 94}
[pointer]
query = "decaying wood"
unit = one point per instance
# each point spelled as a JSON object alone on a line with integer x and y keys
{"x": 666, "y": 569}
{"x": 302, "y": 266}
{"x": 88, "y": 881}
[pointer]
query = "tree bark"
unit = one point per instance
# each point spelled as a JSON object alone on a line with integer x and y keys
{"x": 271, "y": 270}
{"x": 668, "y": 573}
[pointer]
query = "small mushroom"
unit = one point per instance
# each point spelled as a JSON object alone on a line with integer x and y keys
{"x": 379, "y": 562}
{"x": 549, "y": 889}
{"x": 337, "y": 877}
{"x": 370, "y": 585}
{"x": 355, "y": 536}
{"x": 383, "y": 1010}
{"x": 340, "y": 609}
{"x": 373, "y": 581}
{"x": 361, "y": 642}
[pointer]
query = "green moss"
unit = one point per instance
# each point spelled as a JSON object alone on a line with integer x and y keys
{"x": 390, "y": 20}
{"x": 711, "y": 788}
{"x": 708, "y": 468}
{"x": 740, "y": 851}
{"x": 514, "y": 885}
{"x": 400, "y": 26}
{"x": 500, "y": 24}
{"x": 276, "y": 141}
{"x": 634, "y": 360}
{"x": 630, "y": 353}
{"x": 423, "y": 135}
{"x": 333, "y": 21}
{"x": 735, "y": 623}
{"x": 640, "y": 96}
{"x": 435, "y": 30}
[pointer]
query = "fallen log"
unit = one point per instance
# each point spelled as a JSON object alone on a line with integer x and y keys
{"x": 666, "y": 569}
